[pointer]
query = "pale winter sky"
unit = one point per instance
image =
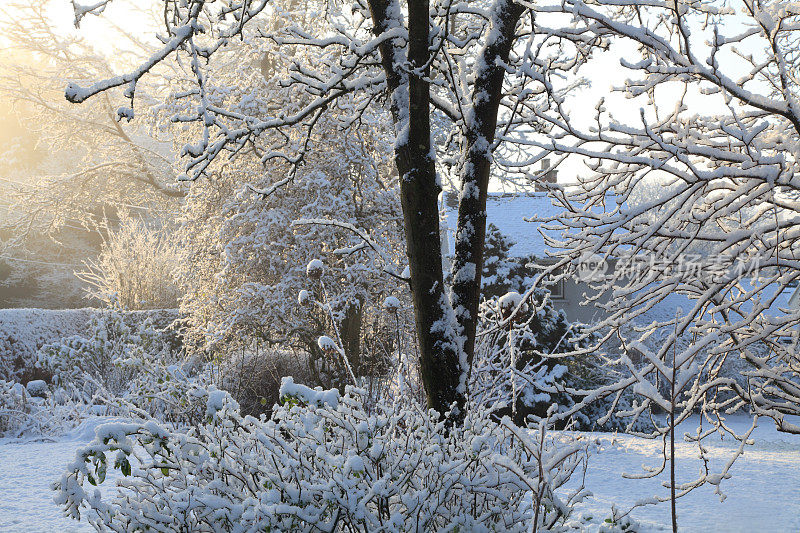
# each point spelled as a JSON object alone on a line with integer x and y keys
{"x": 604, "y": 72}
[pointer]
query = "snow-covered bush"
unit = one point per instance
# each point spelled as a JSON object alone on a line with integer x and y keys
{"x": 114, "y": 363}
{"x": 544, "y": 351}
{"x": 135, "y": 267}
{"x": 84, "y": 362}
{"x": 536, "y": 345}
{"x": 23, "y": 332}
{"x": 47, "y": 413}
{"x": 323, "y": 463}
{"x": 14, "y": 401}
{"x": 133, "y": 370}
{"x": 510, "y": 371}
{"x": 253, "y": 376}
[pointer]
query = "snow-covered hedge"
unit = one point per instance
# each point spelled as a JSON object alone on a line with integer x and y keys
{"x": 24, "y": 331}
{"x": 323, "y": 462}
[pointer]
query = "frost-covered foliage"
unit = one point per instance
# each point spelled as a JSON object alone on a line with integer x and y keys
{"x": 131, "y": 370}
{"x": 136, "y": 265}
{"x": 249, "y": 241}
{"x": 324, "y": 463}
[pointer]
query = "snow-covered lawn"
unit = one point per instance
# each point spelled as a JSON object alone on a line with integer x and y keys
{"x": 27, "y": 468}
{"x": 763, "y": 495}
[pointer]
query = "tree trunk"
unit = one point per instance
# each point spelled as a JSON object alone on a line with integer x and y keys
{"x": 351, "y": 336}
{"x": 446, "y": 340}
{"x": 437, "y": 335}
{"x": 476, "y": 170}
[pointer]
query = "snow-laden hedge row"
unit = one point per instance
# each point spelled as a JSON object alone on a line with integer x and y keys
{"x": 24, "y": 331}
{"x": 326, "y": 462}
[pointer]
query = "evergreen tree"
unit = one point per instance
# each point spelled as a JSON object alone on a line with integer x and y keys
{"x": 501, "y": 273}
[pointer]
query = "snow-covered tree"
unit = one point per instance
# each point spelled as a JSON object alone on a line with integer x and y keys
{"x": 696, "y": 195}
{"x": 501, "y": 272}
{"x": 494, "y": 72}
{"x": 248, "y": 247}
{"x": 67, "y": 168}
{"x": 471, "y": 69}
{"x": 86, "y": 157}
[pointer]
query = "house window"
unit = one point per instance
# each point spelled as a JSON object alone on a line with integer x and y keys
{"x": 556, "y": 289}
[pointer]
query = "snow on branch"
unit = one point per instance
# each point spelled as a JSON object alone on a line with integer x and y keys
{"x": 692, "y": 201}
{"x": 366, "y": 242}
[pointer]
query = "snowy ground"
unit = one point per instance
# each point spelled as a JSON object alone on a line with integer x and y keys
{"x": 763, "y": 495}
{"x": 27, "y": 468}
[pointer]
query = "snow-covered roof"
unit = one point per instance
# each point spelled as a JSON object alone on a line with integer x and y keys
{"x": 508, "y": 212}
{"x": 665, "y": 309}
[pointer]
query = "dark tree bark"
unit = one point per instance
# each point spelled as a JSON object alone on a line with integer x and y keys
{"x": 440, "y": 352}
{"x": 446, "y": 345}
{"x": 476, "y": 169}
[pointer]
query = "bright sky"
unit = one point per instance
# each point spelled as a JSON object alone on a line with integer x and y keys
{"x": 604, "y": 72}
{"x": 136, "y": 16}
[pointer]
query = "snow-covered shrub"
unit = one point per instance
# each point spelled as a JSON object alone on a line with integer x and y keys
{"x": 135, "y": 267}
{"x": 511, "y": 369}
{"x": 132, "y": 369}
{"x": 323, "y": 463}
{"x": 23, "y": 332}
{"x": 14, "y": 400}
{"x": 253, "y": 376}
{"x": 37, "y": 388}
{"x": 534, "y": 344}
{"x": 48, "y": 414}
{"x": 83, "y": 362}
